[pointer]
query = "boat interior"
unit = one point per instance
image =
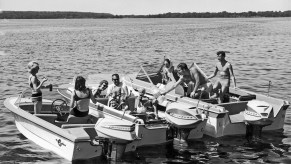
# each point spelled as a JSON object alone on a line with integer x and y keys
{"x": 235, "y": 101}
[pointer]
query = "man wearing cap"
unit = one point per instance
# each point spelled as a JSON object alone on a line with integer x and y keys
{"x": 225, "y": 73}
{"x": 196, "y": 80}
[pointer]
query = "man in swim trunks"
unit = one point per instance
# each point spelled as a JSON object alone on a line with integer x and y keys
{"x": 225, "y": 73}
{"x": 194, "y": 77}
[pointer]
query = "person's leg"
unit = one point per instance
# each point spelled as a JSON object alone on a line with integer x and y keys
{"x": 224, "y": 89}
{"x": 37, "y": 107}
{"x": 216, "y": 87}
{"x": 155, "y": 104}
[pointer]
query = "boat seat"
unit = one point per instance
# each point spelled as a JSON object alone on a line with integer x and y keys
{"x": 66, "y": 126}
{"x": 81, "y": 120}
{"x": 247, "y": 97}
{"x": 47, "y": 117}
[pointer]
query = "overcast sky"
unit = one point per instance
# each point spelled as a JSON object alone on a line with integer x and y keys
{"x": 144, "y": 7}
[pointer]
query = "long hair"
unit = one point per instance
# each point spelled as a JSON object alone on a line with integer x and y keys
{"x": 80, "y": 83}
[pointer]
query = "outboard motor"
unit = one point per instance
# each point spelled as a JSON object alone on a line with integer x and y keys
{"x": 258, "y": 114}
{"x": 183, "y": 120}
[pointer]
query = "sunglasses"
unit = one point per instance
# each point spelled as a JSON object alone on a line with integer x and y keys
{"x": 114, "y": 79}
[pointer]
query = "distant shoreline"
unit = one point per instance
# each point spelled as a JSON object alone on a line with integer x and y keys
{"x": 85, "y": 15}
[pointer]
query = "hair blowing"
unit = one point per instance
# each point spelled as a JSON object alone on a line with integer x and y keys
{"x": 80, "y": 83}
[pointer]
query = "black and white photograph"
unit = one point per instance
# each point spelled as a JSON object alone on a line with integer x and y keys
{"x": 145, "y": 81}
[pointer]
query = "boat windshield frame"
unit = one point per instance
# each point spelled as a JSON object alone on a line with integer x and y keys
{"x": 148, "y": 71}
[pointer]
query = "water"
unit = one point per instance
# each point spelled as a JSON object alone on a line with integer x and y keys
{"x": 259, "y": 52}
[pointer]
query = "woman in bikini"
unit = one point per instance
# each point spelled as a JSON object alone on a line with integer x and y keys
{"x": 225, "y": 73}
{"x": 35, "y": 85}
{"x": 80, "y": 98}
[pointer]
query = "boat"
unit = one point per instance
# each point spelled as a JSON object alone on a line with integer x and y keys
{"x": 233, "y": 117}
{"x": 72, "y": 138}
{"x": 150, "y": 131}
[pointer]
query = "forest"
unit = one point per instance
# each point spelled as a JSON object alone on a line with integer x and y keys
{"x": 86, "y": 15}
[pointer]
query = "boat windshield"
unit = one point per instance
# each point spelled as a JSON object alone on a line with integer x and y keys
{"x": 151, "y": 72}
{"x": 47, "y": 95}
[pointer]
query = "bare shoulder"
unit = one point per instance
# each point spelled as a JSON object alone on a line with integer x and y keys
{"x": 32, "y": 78}
{"x": 229, "y": 64}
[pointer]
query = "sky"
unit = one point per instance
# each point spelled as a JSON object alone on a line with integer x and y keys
{"x": 145, "y": 7}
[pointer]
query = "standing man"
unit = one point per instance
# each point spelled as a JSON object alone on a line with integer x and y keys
{"x": 225, "y": 73}
{"x": 195, "y": 78}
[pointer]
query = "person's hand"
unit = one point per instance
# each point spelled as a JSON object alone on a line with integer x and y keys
{"x": 156, "y": 116}
{"x": 44, "y": 79}
{"x": 192, "y": 94}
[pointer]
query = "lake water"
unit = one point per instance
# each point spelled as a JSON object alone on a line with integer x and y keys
{"x": 259, "y": 52}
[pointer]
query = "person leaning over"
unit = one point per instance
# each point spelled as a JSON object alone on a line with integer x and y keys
{"x": 195, "y": 78}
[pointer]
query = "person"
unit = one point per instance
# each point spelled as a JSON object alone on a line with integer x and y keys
{"x": 169, "y": 72}
{"x": 225, "y": 73}
{"x": 35, "y": 85}
{"x": 103, "y": 85}
{"x": 117, "y": 86}
{"x": 196, "y": 80}
{"x": 144, "y": 103}
{"x": 80, "y": 98}
{"x": 116, "y": 101}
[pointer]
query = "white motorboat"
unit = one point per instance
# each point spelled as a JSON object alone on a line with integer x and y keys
{"x": 228, "y": 118}
{"x": 72, "y": 138}
{"x": 150, "y": 131}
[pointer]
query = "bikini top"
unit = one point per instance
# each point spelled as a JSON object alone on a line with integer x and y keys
{"x": 30, "y": 83}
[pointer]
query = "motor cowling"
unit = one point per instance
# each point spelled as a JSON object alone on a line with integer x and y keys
{"x": 257, "y": 110}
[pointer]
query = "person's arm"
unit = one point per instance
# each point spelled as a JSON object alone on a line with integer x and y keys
{"x": 92, "y": 97}
{"x": 214, "y": 73}
{"x": 197, "y": 83}
{"x": 34, "y": 83}
{"x": 173, "y": 86}
{"x": 72, "y": 103}
{"x": 109, "y": 89}
{"x": 231, "y": 73}
{"x": 125, "y": 90}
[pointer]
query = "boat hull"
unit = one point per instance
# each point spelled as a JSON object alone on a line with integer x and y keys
{"x": 223, "y": 119}
{"x": 52, "y": 137}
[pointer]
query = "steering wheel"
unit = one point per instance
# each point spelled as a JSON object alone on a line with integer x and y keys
{"x": 58, "y": 106}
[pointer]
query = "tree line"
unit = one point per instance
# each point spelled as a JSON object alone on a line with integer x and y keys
{"x": 81, "y": 15}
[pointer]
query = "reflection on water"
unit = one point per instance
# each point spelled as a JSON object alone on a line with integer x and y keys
{"x": 259, "y": 52}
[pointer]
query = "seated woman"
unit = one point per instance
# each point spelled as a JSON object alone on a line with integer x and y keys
{"x": 103, "y": 85}
{"x": 169, "y": 72}
{"x": 144, "y": 103}
{"x": 80, "y": 98}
